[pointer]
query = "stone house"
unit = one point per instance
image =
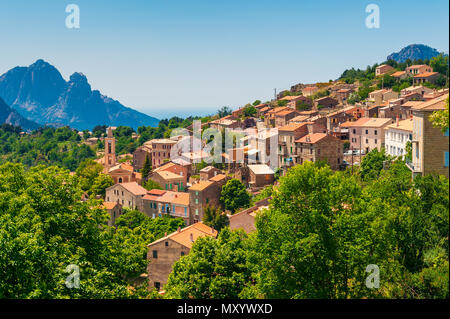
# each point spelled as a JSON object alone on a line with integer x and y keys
{"x": 124, "y": 173}
{"x": 201, "y": 195}
{"x": 418, "y": 69}
{"x": 246, "y": 219}
{"x": 321, "y": 146}
{"x": 169, "y": 181}
{"x": 260, "y": 175}
{"x": 160, "y": 202}
{"x": 430, "y": 147}
{"x": 383, "y": 69}
{"x": 164, "y": 252}
{"x": 129, "y": 195}
{"x": 208, "y": 172}
{"x": 114, "y": 210}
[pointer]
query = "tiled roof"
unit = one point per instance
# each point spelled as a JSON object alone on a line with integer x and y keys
{"x": 157, "y": 192}
{"x": 405, "y": 125}
{"x": 109, "y": 205}
{"x": 425, "y": 74}
{"x": 359, "y": 122}
{"x": 290, "y": 98}
{"x": 167, "y": 175}
{"x": 376, "y": 122}
{"x": 188, "y": 235}
{"x": 134, "y": 188}
{"x": 291, "y": 127}
{"x": 218, "y": 177}
{"x": 200, "y": 186}
{"x": 398, "y": 73}
{"x": 122, "y": 166}
{"x": 431, "y": 105}
{"x": 311, "y": 138}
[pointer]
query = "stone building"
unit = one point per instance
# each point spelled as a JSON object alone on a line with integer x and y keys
{"x": 430, "y": 147}
{"x": 114, "y": 210}
{"x": 260, "y": 175}
{"x": 321, "y": 147}
{"x": 129, "y": 195}
{"x": 163, "y": 253}
{"x": 201, "y": 195}
{"x": 157, "y": 203}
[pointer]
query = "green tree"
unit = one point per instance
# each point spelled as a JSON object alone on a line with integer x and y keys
{"x": 146, "y": 169}
{"x": 234, "y": 195}
{"x": 151, "y": 184}
{"x": 215, "y": 218}
{"x": 440, "y": 118}
{"x": 372, "y": 164}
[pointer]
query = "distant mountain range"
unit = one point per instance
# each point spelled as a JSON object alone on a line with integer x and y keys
{"x": 11, "y": 116}
{"x": 40, "y": 94}
{"x": 414, "y": 52}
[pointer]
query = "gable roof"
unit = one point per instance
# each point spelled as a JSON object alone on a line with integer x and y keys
{"x": 405, "y": 125}
{"x": 425, "y": 74}
{"x": 291, "y": 127}
{"x": 376, "y": 122}
{"x": 432, "y": 105}
{"x": 218, "y": 177}
{"x": 259, "y": 169}
{"x": 134, "y": 188}
{"x": 167, "y": 175}
{"x": 312, "y": 138}
{"x": 200, "y": 186}
{"x": 188, "y": 235}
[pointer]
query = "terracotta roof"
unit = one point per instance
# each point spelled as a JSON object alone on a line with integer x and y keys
{"x": 265, "y": 109}
{"x": 291, "y": 127}
{"x": 134, "y": 188}
{"x": 405, "y": 125}
{"x": 359, "y": 122}
{"x": 398, "y": 73}
{"x": 164, "y": 167}
{"x": 218, "y": 177}
{"x": 109, "y": 205}
{"x": 290, "y": 97}
{"x": 300, "y": 118}
{"x": 167, "y": 175}
{"x": 285, "y": 112}
{"x": 278, "y": 109}
{"x": 434, "y": 104}
{"x": 311, "y": 138}
{"x": 411, "y": 103}
{"x": 425, "y": 74}
{"x": 163, "y": 141}
{"x": 188, "y": 235}
{"x": 200, "y": 186}
{"x": 157, "y": 192}
{"x": 376, "y": 122}
{"x": 310, "y": 88}
{"x": 122, "y": 166}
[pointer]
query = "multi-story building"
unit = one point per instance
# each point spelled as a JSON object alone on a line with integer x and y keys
{"x": 287, "y": 152}
{"x": 164, "y": 252}
{"x": 201, "y": 195}
{"x": 418, "y": 69}
{"x": 396, "y": 137}
{"x": 129, "y": 195}
{"x": 320, "y": 147}
{"x": 383, "y": 69}
{"x": 260, "y": 175}
{"x": 430, "y": 147}
{"x": 161, "y": 151}
{"x": 160, "y": 202}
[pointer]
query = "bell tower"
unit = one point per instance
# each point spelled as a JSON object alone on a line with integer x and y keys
{"x": 110, "y": 149}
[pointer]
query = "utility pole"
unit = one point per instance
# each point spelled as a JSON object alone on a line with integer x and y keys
{"x": 275, "y": 96}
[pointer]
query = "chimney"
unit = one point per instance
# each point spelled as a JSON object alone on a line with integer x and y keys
{"x": 165, "y": 234}
{"x": 396, "y": 120}
{"x": 308, "y": 139}
{"x": 192, "y": 237}
{"x": 179, "y": 229}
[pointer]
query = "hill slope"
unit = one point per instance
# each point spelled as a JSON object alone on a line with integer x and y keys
{"x": 10, "y": 116}
{"x": 40, "y": 93}
{"x": 413, "y": 52}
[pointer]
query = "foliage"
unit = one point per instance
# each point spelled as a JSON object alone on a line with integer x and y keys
{"x": 215, "y": 218}
{"x": 234, "y": 195}
{"x": 91, "y": 178}
{"x": 146, "y": 169}
{"x": 151, "y": 184}
{"x": 372, "y": 164}
{"x": 440, "y": 118}
{"x": 224, "y": 111}
{"x": 250, "y": 111}
{"x": 47, "y": 146}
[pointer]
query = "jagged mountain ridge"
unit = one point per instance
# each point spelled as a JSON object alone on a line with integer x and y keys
{"x": 414, "y": 52}
{"x": 40, "y": 93}
{"x": 10, "y": 116}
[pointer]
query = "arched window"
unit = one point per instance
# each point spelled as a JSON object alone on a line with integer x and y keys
{"x": 120, "y": 180}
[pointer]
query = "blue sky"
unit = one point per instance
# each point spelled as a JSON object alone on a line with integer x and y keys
{"x": 180, "y": 57}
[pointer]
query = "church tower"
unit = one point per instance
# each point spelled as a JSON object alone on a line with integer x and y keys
{"x": 110, "y": 149}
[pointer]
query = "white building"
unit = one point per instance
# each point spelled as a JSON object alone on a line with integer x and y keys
{"x": 396, "y": 137}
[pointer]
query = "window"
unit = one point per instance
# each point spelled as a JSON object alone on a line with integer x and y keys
{"x": 196, "y": 211}
{"x": 196, "y": 200}
{"x": 167, "y": 244}
{"x": 157, "y": 285}
{"x": 367, "y": 141}
{"x": 446, "y": 159}
{"x": 182, "y": 253}
{"x": 155, "y": 254}
{"x": 367, "y": 131}
{"x": 354, "y": 131}
{"x": 375, "y": 132}
{"x": 375, "y": 141}
{"x": 185, "y": 212}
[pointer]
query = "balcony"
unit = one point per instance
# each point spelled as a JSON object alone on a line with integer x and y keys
{"x": 412, "y": 167}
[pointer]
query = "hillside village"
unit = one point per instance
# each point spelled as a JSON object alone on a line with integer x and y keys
{"x": 337, "y": 123}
